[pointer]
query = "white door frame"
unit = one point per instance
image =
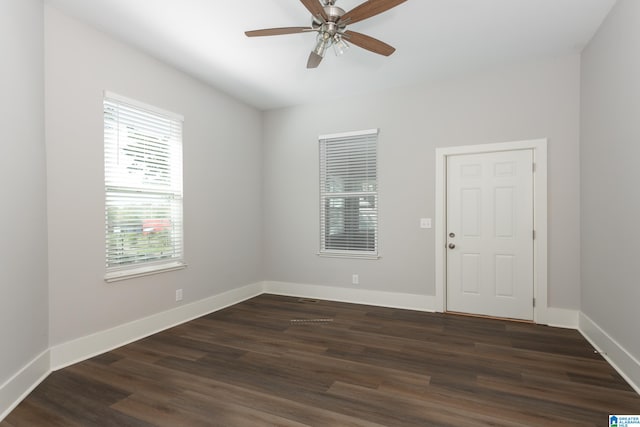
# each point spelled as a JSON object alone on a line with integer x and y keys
{"x": 539, "y": 147}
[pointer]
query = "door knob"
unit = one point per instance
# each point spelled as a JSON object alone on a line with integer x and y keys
{"x": 452, "y": 235}
{"x": 452, "y": 246}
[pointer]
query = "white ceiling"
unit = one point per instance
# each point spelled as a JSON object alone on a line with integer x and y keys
{"x": 433, "y": 38}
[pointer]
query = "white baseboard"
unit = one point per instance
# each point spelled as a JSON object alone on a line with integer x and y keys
{"x": 353, "y": 295}
{"x": 83, "y": 348}
{"x": 562, "y": 318}
{"x": 623, "y": 361}
{"x": 557, "y": 317}
{"x": 16, "y": 388}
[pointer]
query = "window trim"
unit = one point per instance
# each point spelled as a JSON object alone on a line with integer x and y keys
{"x": 352, "y": 254}
{"x": 142, "y": 105}
{"x": 119, "y": 273}
{"x": 146, "y": 270}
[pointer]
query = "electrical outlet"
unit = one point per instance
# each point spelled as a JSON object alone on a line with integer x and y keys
{"x": 355, "y": 279}
{"x": 178, "y": 294}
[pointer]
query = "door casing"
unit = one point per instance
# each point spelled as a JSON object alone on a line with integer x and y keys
{"x": 540, "y": 282}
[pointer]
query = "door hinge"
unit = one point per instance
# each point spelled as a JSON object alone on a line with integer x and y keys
{"x": 534, "y": 234}
{"x": 533, "y": 167}
{"x": 534, "y": 303}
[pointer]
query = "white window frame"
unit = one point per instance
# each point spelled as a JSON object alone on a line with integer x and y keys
{"x": 119, "y": 185}
{"x": 325, "y": 194}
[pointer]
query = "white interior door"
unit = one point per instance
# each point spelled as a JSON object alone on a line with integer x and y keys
{"x": 490, "y": 234}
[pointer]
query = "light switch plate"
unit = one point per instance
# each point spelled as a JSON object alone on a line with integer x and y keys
{"x": 425, "y": 222}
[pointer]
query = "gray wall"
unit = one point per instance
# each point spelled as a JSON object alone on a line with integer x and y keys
{"x": 610, "y": 149}
{"x": 525, "y": 102}
{"x": 222, "y": 169}
{"x": 23, "y": 253}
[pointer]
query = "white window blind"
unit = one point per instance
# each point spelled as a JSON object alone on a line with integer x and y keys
{"x": 349, "y": 194}
{"x": 143, "y": 187}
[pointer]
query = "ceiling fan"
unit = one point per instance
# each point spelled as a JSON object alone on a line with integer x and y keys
{"x": 330, "y": 22}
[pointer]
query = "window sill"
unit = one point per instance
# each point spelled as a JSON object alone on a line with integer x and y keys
{"x": 132, "y": 273}
{"x": 348, "y": 255}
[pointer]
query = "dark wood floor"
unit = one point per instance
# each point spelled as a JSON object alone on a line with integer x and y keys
{"x": 250, "y": 365}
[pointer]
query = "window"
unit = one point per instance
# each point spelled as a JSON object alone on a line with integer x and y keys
{"x": 349, "y": 194}
{"x": 143, "y": 188}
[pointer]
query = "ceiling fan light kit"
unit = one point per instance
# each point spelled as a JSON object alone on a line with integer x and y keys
{"x": 330, "y": 22}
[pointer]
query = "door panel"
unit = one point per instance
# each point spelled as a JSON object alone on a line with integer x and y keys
{"x": 490, "y": 234}
{"x": 505, "y": 286}
{"x": 503, "y": 212}
{"x": 470, "y": 206}
{"x": 471, "y": 273}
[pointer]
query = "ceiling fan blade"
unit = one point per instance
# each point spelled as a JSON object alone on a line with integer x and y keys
{"x": 369, "y": 43}
{"x": 368, "y": 9}
{"x": 277, "y": 31}
{"x": 315, "y": 7}
{"x": 314, "y": 60}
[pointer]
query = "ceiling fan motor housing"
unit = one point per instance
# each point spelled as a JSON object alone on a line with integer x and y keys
{"x": 332, "y": 25}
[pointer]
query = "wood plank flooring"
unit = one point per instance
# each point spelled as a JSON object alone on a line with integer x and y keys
{"x": 250, "y": 365}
